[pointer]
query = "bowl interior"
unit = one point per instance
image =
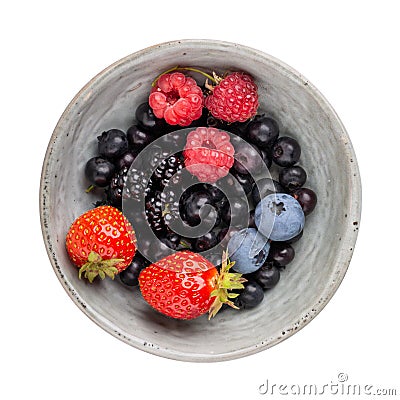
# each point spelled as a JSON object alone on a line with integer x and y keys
{"x": 322, "y": 255}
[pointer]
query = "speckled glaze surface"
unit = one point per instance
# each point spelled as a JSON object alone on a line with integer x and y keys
{"x": 322, "y": 256}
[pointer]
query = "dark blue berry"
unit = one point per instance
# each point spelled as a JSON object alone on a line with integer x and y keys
{"x": 286, "y": 151}
{"x": 148, "y": 121}
{"x": 197, "y": 206}
{"x": 112, "y": 143}
{"x": 263, "y": 131}
{"x": 244, "y": 180}
{"x": 248, "y": 159}
{"x": 266, "y": 157}
{"x": 307, "y": 199}
{"x": 292, "y": 178}
{"x": 206, "y": 242}
{"x": 130, "y": 275}
{"x": 281, "y": 253}
{"x": 99, "y": 171}
{"x": 251, "y": 296}
{"x": 267, "y": 276}
{"x": 263, "y": 187}
{"x": 138, "y": 138}
{"x": 125, "y": 160}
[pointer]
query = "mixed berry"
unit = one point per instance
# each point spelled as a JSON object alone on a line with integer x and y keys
{"x": 187, "y": 208}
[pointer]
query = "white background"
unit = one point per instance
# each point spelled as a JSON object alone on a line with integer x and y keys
{"x": 349, "y": 50}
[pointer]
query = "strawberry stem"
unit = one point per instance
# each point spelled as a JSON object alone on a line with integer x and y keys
{"x": 96, "y": 266}
{"x": 178, "y": 68}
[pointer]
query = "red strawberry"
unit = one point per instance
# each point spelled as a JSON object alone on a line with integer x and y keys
{"x": 234, "y": 99}
{"x": 177, "y": 99}
{"x": 185, "y": 285}
{"x": 208, "y": 154}
{"x": 101, "y": 242}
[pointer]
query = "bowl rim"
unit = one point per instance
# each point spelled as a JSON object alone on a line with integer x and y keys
{"x": 343, "y": 259}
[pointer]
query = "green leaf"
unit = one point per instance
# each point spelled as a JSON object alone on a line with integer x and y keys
{"x": 94, "y": 257}
{"x": 102, "y": 275}
{"x": 111, "y": 271}
{"x": 91, "y": 275}
{"x": 214, "y": 293}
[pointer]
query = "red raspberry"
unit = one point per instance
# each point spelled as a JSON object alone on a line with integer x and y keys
{"x": 177, "y": 99}
{"x": 234, "y": 99}
{"x": 208, "y": 154}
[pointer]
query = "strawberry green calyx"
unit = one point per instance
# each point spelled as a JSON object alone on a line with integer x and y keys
{"x": 226, "y": 281}
{"x": 96, "y": 266}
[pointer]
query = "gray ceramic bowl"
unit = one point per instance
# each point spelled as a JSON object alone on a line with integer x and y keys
{"x": 322, "y": 255}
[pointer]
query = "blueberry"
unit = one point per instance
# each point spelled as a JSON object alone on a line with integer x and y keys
{"x": 170, "y": 239}
{"x": 245, "y": 180}
{"x": 129, "y": 276}
{"x": 279, "y": 217}
{"x": 248, "y": 159}
{"x": 215, "y": 193}
{"x": 263, "y": 132}
{"x": 286, "y": 151}
{"x": 206, "y": 242}
{"x": 148, "y": 121}
{"x": 252, "y": 295}
{"x": 125, "y": 160}
{"x": 99, "y": 171}
{"x": 307, "y": 199}
{"x": 281, "y": 253}
{"x": 138, "y": 138}
{"x": 292, "y": 177}
{"x": 197, "y": 206}
{"x": 266, "y": 157}
{"x": 248, "y": 249}
{"x": 112, "y": 143}
{"x": 263, "y": 187}
{"x": 267, "y": 276}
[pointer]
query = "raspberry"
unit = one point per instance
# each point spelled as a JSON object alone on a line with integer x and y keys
{"x": 177, "y": 99}
{"x": 234, "y": 99}
{"x": 208, "y": 154}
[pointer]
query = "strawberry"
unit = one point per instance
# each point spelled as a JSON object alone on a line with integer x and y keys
{"x": 185, "y": 285}
{"x": 101, "y": 242}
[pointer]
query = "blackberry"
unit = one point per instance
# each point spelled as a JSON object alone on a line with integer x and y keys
{"x": 156, "y": 154}
{"x": 170, "y": 205}
{"x": 154, "y": 212}
{"x": 114, "y": 192}
{"x": 169, "y": 168}
{"x": 162, "y": 207}
{"x": 136, "y": 185}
